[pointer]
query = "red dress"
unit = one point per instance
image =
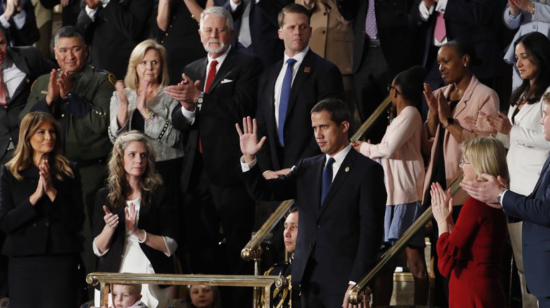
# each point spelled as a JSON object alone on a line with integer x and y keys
{"x": 470, "y": 256}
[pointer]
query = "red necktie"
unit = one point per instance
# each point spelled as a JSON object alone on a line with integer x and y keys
{"x": 211, "y": 75}
{"x": 3, "y": 101}
{"x": 209, "y": 79}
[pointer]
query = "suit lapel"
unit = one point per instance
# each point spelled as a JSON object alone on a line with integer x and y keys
{"x": 542, "y": 178}
{"x": 304, "y": 71}
{"x": 270, "y": 95}
{"x": 316, "y": 188}
{"x": 340, "y": 178}
{"x": 22, "y": 65}
{"x": 224, "y": 70}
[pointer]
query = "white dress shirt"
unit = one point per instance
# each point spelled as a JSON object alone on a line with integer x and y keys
{"x": 190, "y": 115}
{"x": 279, "y": 83}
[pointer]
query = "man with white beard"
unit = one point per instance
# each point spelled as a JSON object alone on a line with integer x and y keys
{"x": 215, "y": 93}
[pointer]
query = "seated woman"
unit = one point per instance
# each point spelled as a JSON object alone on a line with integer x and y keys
{"x": 139, "y": 103}
{"x": 134, "y": 196}
{"x": 399, "y": 153}
{"x": 42, "y": 214}
{"x": 470, "y": 251}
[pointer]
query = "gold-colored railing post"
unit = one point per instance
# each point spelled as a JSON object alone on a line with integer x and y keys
{"x": 353, "y": 295}
{"x": 371, "y": 120}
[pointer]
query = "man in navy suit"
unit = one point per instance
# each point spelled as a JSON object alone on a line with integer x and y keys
{"x": 534, "y": 210}
{"x": 341, "y": 198}
{"x": 312, "y": 79}
{"x": 216, "y": 92}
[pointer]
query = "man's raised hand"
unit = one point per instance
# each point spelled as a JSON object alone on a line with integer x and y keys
{"x": 248, "y": 137}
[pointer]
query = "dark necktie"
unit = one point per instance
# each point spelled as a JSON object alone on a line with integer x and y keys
{"x": 327, "y": 179}
{"x": 285, "y": 96}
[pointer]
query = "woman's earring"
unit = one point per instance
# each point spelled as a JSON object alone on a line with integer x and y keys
{"x": 464, "y": 64}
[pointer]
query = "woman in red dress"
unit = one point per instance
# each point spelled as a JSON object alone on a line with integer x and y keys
{"x": 470, "y": 250}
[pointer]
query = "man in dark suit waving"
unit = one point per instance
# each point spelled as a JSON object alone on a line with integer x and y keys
{"x": 341, "y": 198}
{"x": 290, "y": 88}
{"x": 215, "y": 92}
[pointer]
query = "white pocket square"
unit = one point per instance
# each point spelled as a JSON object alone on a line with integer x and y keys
{"x": 226, "y": 81}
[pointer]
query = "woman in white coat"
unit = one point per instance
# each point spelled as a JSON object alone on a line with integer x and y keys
{"x": 521, "y": 132}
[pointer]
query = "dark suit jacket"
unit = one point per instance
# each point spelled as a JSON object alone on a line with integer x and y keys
{"x": 395, "y": 30}
{"x": 231, "y": 97}
{"x": 534, "y": 210}
{"x": 27, "y": 35}
{"x": 467, "y": 20}
{"x": 343, "y": 235}
{"x": 158, "y": 218}
{"x": 30, "y": 61}
{"x": 315, "y": 80}
{"x": 116, "y": 30}
{"x": 47, "y": 228}
{"x": 263, "y": 28}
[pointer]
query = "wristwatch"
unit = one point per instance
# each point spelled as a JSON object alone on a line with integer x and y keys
{"x": 200, "y": 98}
{"x": 450, "y": 121}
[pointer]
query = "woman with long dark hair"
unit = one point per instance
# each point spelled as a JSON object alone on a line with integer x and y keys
{"x": 521, "y": 132}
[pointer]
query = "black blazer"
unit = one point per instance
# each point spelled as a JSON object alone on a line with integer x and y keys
{"x": 31, "y": 62}
{"x": 48, "y": 228}
{"x": 395, "y": 31}
{"x": 343, "y": 235}
{"x": 263, "y": 28}
{"x": 158, "y": 218}
{"x": 116, "y": 30}
{"x": 467, "y": 20}
{"x": 232, "y": 96}
{"x": 315, "y": 80}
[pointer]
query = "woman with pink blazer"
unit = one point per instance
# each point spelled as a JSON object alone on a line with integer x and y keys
{"x": 453, "y": 117}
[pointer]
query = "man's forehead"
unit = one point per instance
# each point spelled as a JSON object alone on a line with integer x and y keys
{"x": 69, "y": 42}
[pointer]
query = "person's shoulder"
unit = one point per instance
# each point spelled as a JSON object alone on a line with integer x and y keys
{"x": 41, "y": 82}
{"x": 28, "y": 52}
{"x": 99, "y": 74}
{"x": 276, "y": 269}
{"x": 320, "y": 62}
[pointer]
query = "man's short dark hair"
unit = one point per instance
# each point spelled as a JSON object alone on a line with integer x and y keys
{"x": 68, "y": 32}
{"x": 336, "y": 108}
{"x": 292, "y": 8}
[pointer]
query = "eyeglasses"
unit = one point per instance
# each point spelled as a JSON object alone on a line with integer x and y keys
{"x": 392, "y": 87}
{"x": 462, "y": 163}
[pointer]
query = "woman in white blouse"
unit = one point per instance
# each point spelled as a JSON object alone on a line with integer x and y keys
{"x": 521, "y": 131}
{"x": 134, "y": 223}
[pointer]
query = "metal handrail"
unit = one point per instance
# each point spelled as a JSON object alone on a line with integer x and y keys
{"x": 353, "y": 295}
{"x": 252, "y": 249}
{"x": 370, "y": 121}
{"x": 105, "y": 279}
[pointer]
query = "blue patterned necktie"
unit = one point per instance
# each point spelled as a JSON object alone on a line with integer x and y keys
{"x": 327, "y": 179}
{"x": 284, "y": 98}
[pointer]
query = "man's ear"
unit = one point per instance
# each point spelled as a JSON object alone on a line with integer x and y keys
{"x": 345, "y": 126}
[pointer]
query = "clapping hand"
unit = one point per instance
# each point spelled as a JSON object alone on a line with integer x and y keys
{"x": 248, "y": 137}
{"x": 121, "y": 93}
{"x": 431, "y": 100}
{"x": 185, "y": 92}
{"x": 111, "y": 220}
{"x": 443, "y": 108}
{"x": 500, "y": 123}
{"x": 442, "y": 204}
{"x": 130, "y": 218}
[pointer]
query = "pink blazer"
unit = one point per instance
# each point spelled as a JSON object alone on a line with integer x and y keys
{"x": 477, "y": 97}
